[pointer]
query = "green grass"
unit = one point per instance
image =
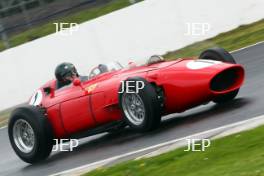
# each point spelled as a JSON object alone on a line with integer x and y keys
{"x": 236, "y": 155}
{"x": 240, "y": 37}
{"x": 79, "y": 17}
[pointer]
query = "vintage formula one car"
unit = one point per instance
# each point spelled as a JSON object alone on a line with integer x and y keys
{"x": 137, "y": 96}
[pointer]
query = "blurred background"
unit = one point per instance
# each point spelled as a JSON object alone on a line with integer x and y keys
{"x": 18, "y": 16}
{"x": 113, "y": 30}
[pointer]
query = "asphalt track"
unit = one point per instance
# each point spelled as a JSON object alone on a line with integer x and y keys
{"x": 248, "y": 104}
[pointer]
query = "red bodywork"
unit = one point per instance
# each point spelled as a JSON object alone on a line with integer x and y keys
{"x": 185, "y": 85}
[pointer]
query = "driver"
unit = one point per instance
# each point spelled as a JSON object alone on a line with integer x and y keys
{"x": 103, "y": 68}
{"x": 65, "y": 73}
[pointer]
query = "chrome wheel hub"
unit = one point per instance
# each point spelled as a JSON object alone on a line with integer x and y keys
{"x": 24, "y": 136}
{"x": 133, "y": 108}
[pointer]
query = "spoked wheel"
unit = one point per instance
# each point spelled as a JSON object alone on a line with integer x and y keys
{"x": 133, "y": 108}
{"x": 30, "y": 134}
{"x": 141, "y": 108}
{"x": 24, "y": 136}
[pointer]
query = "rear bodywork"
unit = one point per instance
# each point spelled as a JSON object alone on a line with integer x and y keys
{"x": 186, "y": 83}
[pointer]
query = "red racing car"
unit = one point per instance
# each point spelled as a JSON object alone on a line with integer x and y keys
{"x": 115, "y": 97}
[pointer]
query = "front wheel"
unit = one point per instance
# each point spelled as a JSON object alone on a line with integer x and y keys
{"x": 226, "y": 97}
{"x": 30, "y": 134}
{"x": 141, "y": 109}
{"x": 217, "y": 54}
{"x": 220, "y": 54}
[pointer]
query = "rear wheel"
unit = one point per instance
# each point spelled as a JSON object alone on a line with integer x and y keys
{"x": 30, "y": 134}
{"x": 141, "y": 110}
{"x": 220, "y": 54}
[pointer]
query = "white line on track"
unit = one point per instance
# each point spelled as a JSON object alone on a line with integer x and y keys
{"x": 247, "y": 47}
{"x": 102, "y": 162}
{"x": 3, "y": 127}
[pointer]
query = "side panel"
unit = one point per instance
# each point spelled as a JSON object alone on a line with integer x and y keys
{"x": 104, "y": 110}
{"x": 56, "y": 121}
{"x": 76, "y": 114}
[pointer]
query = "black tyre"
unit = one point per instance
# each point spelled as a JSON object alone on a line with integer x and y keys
{"x": 226, "y": 97}
{"x": 219, "y": 54}
{"x": 30, "y": 134}
{"x": 142, "y": 109}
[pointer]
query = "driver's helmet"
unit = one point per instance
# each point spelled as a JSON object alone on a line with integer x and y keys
{"x": 66, "y": 72}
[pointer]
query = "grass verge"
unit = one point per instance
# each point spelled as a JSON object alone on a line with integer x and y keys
{"x": 4, "y": 117}
{"x": 240, "y": 37}
{"x": 235, "y": 155}
{"x": 79, "y": 17}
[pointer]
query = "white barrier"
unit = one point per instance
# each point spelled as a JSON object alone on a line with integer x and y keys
{"x": 133, "y": 33}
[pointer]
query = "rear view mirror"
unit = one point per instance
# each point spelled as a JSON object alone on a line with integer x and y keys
{"x": 76, "y": 82}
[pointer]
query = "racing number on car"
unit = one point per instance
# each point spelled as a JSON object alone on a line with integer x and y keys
{"x": 36, "y": 98}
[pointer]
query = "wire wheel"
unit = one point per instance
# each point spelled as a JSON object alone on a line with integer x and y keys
{"x": 133, "y": 108}
{"x": 24, "y": 136}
